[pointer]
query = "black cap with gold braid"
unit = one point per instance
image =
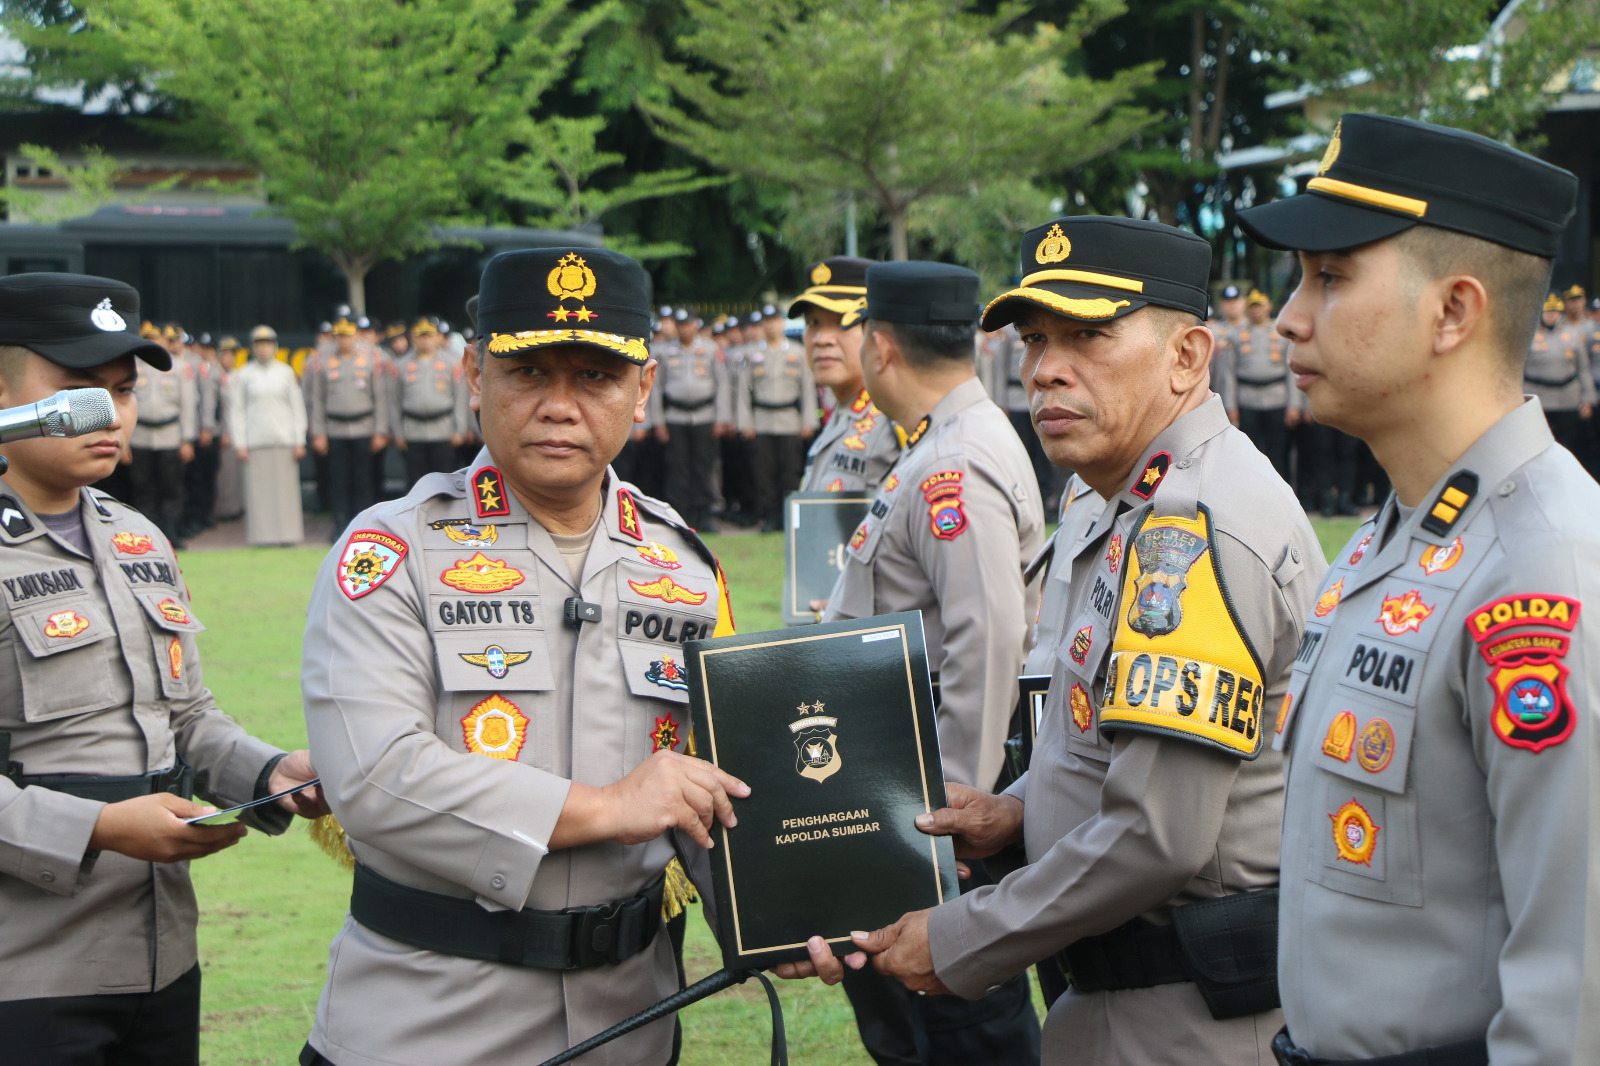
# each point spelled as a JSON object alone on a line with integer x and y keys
{"x": 838, "y": 284}
{"x": 538, "y": 297}
{"x": 1097, "y": 268}
{"x": 1382, "y": 175}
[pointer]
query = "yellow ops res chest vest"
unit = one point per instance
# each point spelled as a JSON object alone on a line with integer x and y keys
{"x": 1181, "y": 666}
{"x": 494, "y": 607}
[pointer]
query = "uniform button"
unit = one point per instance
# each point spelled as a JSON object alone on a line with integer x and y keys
{"x": 497, "y": 881}
{"x": 46, "y": 876}
{"x": 1508, "y": 488}
{"x": 1294, "y": 553}
{"x": 1183, "y": 464}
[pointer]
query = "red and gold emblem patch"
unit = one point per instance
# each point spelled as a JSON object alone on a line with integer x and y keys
{"x": 1330, "y": 599}
{"x": 175, "y": 658}
{"x": 1150, "y": 479}
{"x": 489, "y": 493}
{"x": 1114, "y": 552}
{"x": 1283, "y": 712}
{"x": 496, "y": 728}
{"x": 628, "y": 515}
{"x": 482, "y": 574}
{"x": 944, "y": 483}
{"x": 947, "y": 517}
{"x": 859, "y": 537}
{"x": 836, "y": 485}
{"x": 1361, "y": 549}
{"x": 1082, "y": 715}
{"x": 1437, "y": 558}
{"x": 173, "y": 611}
{"x": 860, "y": 403}
{"x": 65, "y": 624}
{"x": 891, "y": 482}
{"x": 1080, "y": 644}
{"x": 667, "y": 590}
{"x": 854, "y": 443}
{"x": 665, "y": 734}
{"x": 1341, "y": 736}
{"x": 1531, "y": 707}
{"x": 659, "y": 555}
{"x": 1533, "y": 609}
{"x": 133, "y": 543}
{"x": 370, "y": 557}
{"x": 1375, "y": 748}
{"x": 1403, "y": 614}
{"x": 1355, "y": 834}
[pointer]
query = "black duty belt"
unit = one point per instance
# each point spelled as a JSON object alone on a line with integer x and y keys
{"x": 679, "y": 405}
{"x": 1227, "y": 947}
{"x": 1547, "y": 383}
{"x": 792, "y": 405}
{"x": 1465, "y": 1053}
{"x": 424, "y": 418}
{"x": 178, "y": 780}
{"x": 1261, "y": 383}
{"x": 573, "y": 939}
{"x": 350, "y": 418}
{"x": 145, "y": 423}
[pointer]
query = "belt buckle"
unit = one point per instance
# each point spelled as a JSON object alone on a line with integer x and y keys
{"x": 594, "y": 935}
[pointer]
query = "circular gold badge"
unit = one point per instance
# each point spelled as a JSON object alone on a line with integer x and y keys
{"x": 820, "y": 274}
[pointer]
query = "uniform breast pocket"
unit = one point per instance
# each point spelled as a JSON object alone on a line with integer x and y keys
{"x": 1368, "y": 842}
{"x": 67, "y": 656}
{"x": 496, "y": 699}
{"x": 172, "y": 629}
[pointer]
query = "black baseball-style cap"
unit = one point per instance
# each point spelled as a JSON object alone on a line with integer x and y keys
{"x": 838, "y": 284}
{"x": 919, "y": 293}
{"x": 1380, "y": 176}
{"x": 75, "y": 320}
{"x": 1097, "y": 268}
{"x": 538, "y": 297}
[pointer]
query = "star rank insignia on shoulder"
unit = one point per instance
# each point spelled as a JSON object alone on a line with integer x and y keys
{"x": 628, "y": 515}
{"x": 1150, "y": 479}
{"x": 489, "y": 493}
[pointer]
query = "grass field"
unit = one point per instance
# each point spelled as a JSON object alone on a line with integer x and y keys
{"x": 269, "y": 907}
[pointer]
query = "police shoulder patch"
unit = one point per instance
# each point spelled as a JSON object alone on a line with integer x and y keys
{"x": 1181, "y": 664}
{"x": 370, "y": 558}
{"x": 1523, "y": 639}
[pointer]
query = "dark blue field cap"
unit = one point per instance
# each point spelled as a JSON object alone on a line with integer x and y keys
{"x": 919, "y": 293}
{"x": 1381, "y": 176}
{"x": 538, "y": 297}
{"x": 1098, "y": 267}
{"x": 75, "y": 320}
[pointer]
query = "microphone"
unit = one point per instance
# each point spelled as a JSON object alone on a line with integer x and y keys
{"x": 68, "y": 413}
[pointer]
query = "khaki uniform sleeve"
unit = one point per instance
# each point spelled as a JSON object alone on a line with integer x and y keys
{"x": 316, "y": 390}
{"x": 1224, "y": 361}
{"x": 44, "y": 836}
{"x": 188, "y": 402}
{"x": 370, "y": 689}
{"x": 723, "y": 375}
{"x": 235, "y": 421}
{"x": 463, "y": 411}
{"x": 1586, "y": 389}
{"x": 808, "y": 397}
{"x": 743, "y": 409}
{"x": 1161, "y": 812}
{"x": 1545, "y": 798}
{"x": 977, "y": 581}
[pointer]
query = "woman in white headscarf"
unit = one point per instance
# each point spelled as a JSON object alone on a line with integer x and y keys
{"x": 267, "y": 420}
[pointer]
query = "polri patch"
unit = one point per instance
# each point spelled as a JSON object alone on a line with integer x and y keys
{"x": 1355, "y": 834}
{"x": 1329, "y": 600}
{"x": 370, "y": 557}
{"x": 133, "y": 543}
{"x": 1437, "y": 558}
{"x": 173, "y": 611}
{"x": 496, "y": 728}
{"x": 489, "y": 493}
{"x": 65, "y": 624}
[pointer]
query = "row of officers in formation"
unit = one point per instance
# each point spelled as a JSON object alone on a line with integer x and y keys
{"x": 1277, "y": 809}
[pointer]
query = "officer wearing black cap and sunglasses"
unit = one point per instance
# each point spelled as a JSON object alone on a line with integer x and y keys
{"x": 106, "y": 726}
{"x": 1441, "y": 901}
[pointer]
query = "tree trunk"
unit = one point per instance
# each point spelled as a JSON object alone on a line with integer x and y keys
{"x": 898, "y": 248}
{"x": 1219, "y": 90}
{"x": 1197, "y": 81}
{"x": 355, "y": 277}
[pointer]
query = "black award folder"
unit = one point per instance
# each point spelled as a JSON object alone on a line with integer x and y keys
{"x": 833, "y": 729}
{"x": 816, "y": 528}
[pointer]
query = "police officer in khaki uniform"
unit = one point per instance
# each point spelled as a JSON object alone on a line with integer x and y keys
{"x": 495, "y": 695}
{"x": 776, "y": 410}
{"x": 948, "y": 534}
{"x": 1441, "y": 900}
{"x": 858, "y": 444}
{"x": 106, "y": 725}
{"x": 1261, "y": 384}
{"x": 347, "y": 402}
{"x": 1231, "y": 305}
{"x": 429, "y": 404}
{"x": 163, "y": 441}
{"x": 1557, "y": 372}
{"x": 1150, "y": 811}
{"x": 692, "y": 406}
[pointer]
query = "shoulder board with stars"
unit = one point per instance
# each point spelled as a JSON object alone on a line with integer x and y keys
{"x": 489, "y": 493}
{"x": 1150, "y": 479}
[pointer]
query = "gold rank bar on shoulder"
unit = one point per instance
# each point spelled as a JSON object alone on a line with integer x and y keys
{"x": 1458, "y": 492}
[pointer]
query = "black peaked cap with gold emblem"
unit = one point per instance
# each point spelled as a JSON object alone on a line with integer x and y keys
{"x": 1383, "y": 175}
{"x": 539, "y": 297}
{"x": 919, "y": 293}
{"x": 76, "y": 320}
{"x": 1098, "y": 267}
{"x": 838, "y": 284}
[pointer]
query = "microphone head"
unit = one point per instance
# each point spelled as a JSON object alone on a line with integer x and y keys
{"x": 78, "y": 411}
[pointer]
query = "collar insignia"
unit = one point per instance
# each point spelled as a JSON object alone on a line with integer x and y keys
{"x": 133, "y": 543}
{"x": 628, "y": 515}
{"x": 1150, "y": 479}
{"x": 15, "y": 523}
{"x": 1458, "y": 492}
{"x": 489, "y": 492}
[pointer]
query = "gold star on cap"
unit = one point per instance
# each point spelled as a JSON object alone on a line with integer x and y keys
{"x": 1055, "y": 247}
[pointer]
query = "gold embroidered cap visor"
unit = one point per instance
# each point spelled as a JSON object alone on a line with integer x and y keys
{"x": 1381, "y": 175}
{"x": 837, "y": 284}
{"x": 540, "y": 297}
{"x": 1096, "y": 268}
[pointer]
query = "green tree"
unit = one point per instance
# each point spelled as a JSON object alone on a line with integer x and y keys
{"x": 1453, "y": 62}
{"x": 894, "y": 101}
{"x": 90, "y": 185}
